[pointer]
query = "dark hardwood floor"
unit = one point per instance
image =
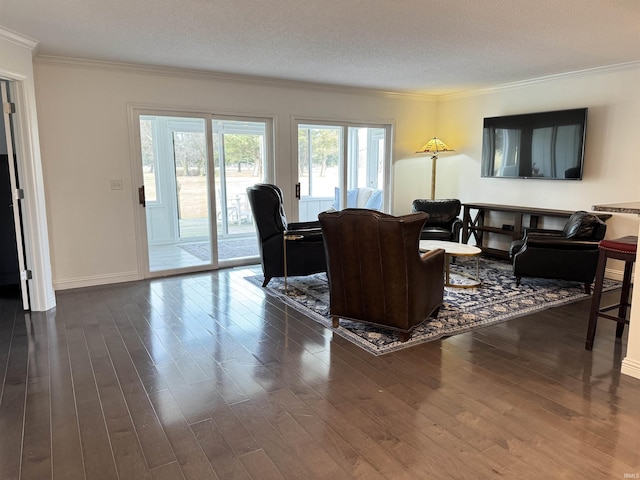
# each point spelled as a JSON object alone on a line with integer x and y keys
{"x": 206, "y": 377}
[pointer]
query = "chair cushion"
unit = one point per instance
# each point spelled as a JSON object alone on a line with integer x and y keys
{"x": 375, "y": 201}
{"x": 628, "y": 244}
{"x": 581, "y": 224}
{"x": 363, "y": 197}
{"x": 352, "y": 198}
{"x": 435, "y": 233}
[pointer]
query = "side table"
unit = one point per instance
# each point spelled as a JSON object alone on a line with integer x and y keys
{"x": 454, "y": 249}
{"x": 287, "y": 237}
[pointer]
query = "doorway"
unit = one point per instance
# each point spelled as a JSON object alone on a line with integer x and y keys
{"x": 195, "y": 170}
{"x": 13, "y": 271}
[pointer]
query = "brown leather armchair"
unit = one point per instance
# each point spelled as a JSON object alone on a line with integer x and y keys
{"x": 568, "y": 254}
{"x": 305, "y": 254}
{"x": 376, "y": 274}
{"x": 444, "y": 222}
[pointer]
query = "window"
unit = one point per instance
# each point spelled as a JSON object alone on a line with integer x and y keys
{"x": 342, "y": 164}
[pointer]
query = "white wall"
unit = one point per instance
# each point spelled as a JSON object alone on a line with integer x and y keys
{"x": 85, "y": 143}
{"x": 612, "y": 160}
{"x": 631, "y": 363}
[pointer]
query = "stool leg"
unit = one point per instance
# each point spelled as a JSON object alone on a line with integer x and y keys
{"x": 624, "y": 297}
{"x": 595, "y": 300}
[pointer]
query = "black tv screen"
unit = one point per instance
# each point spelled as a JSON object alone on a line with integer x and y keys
{"x": 545, "y": 145}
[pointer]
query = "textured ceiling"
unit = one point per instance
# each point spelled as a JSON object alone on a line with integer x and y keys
{"x": 426, "y": 46}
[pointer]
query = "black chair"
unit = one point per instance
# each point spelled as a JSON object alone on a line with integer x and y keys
{"x": 443, "y": 222}
{"x": 567, "y": 254}
{"x": 305, "y": 249}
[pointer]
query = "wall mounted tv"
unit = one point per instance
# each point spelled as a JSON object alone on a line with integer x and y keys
{"x": 544, "y": 145}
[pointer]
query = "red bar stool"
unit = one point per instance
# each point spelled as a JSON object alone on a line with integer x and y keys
{"x": 624, "y": 249}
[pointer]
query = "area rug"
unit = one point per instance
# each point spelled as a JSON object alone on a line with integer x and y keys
{"x": 227, "y": 248}
{"x": 498, "y": 299}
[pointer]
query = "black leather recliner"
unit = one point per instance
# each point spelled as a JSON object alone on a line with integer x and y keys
{"x": 567, "y": 254}
{"x": 305, "y": 253}
{"x": 443, "y": 222}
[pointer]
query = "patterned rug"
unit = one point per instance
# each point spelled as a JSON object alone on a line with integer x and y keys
{"x": 497, "y": 300}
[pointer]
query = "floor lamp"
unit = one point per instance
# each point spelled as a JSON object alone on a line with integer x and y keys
{"x": 434, "y": 146}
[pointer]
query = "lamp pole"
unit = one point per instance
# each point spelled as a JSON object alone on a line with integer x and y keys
{"x": 434, "y": 158}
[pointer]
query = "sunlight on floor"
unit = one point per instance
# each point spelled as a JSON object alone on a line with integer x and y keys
{"x": 182, "y": 255}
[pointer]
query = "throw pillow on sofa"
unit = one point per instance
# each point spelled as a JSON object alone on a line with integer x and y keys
{"x": 375, "y": 201}
{"x": 362, "y": 197}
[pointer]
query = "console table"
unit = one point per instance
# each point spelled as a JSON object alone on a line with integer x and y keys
{"x": 474, "y": 225}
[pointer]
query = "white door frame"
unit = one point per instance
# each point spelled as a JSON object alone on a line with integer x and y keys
{"x": 137, "y": 180}
{"x": 134, "y": 113}
{"x": 16, "y": 203}
{"x": 27, "y": 149}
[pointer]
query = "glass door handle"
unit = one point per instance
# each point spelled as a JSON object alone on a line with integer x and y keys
{"x": 298, "y": 190}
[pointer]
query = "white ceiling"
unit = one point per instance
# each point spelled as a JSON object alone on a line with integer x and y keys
{"x": 425, "y": 46}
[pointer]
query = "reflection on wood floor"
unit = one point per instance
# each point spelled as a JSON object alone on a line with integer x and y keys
{"x": 204, "y": 376}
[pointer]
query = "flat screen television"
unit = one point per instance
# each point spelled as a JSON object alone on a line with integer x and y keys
{"x": 544, "y": 145}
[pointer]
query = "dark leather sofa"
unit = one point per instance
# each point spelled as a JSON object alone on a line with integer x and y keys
{"x": 567, "y": 254}
{"x": 444, "y": 222}
{"x": 305, "y": 254}
{"x": 376, "y": 274}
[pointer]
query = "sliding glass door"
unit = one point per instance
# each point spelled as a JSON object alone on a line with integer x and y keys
{"x": 195, "y": 171}
{"x": 175, "y": 192}
{"x": 239, "y": 152}
{"x": 342, "y": 165}
{"x": 367, "y": 158}
{"x": 320, "y": 160}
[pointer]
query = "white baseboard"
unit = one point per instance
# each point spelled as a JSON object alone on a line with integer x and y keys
{"x": 92, "y": 281}
{"x": 80, "y": 282}
{"x": 614, "y": 274}
{"x": 631, "y": 367}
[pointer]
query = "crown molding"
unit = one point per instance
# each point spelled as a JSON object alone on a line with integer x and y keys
{"x": 225, "y": 77}
{"x": 18, "y": 39}
{"x": 284, "y": 83}
{"x": 548, "y": 78}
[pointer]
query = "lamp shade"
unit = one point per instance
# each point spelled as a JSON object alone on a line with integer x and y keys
{"x": 435, "y": 145}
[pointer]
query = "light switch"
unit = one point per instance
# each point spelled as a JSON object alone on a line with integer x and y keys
{"x": 116, "y": 184}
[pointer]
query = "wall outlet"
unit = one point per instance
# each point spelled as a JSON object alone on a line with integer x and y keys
{"x": 116, "y": 184}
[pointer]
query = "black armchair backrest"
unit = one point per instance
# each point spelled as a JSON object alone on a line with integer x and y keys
{"x": 584, "y": 226}
{"x": 268, "y": 209}
{"x": 441, "y": 211}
